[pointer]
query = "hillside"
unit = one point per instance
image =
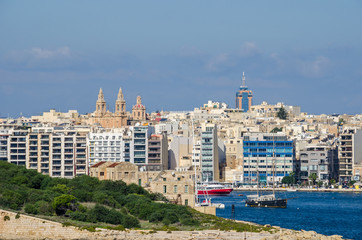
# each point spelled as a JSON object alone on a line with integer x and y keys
{"x": 87, "y": 202}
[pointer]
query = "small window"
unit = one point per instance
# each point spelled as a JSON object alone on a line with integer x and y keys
{"x": 164, "y": 179}
{"x": 139, "y": 182}
{"x": 186, "y": 189}
{"x": 175, "y": 189}
{"x": 186, "y": 202}
{"x": 101, "y": 173}
{"x": 164, "y": 189}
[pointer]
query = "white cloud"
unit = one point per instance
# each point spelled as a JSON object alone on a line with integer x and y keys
{"x": 316, "y": 68}
{"x": 249, "y": 49}
{"x": 216, "y": 63}
{"x": 46, "y": 54}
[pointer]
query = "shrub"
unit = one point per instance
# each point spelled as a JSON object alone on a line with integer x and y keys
{"x": 63, "y": 203}
{"x": 6, "y": 218}
{"x": 31, "y": 209}
{"x": 44, "y": 208}
{"x": 130, "y": 222}
{"x": 155, "y": 217}
{"x": 79, "y": 216}
{"x": 189, "y": 221}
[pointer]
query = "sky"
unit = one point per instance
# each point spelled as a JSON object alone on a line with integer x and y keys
{"x": 177, "y": 55}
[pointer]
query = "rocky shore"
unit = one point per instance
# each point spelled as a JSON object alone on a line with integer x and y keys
{"x": 103, "y": 234}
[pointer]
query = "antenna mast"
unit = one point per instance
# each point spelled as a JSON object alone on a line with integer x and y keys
{"x": 243, "y": 81}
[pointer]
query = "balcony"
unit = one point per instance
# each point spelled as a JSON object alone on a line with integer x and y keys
{"x": 154, "y": 151}
{"x": 44, "y": 142}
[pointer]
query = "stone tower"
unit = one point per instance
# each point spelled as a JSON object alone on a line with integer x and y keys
{"x": 101, "y": 104}
{"x": 120, "y": 103}
{"x": 138, "y": 110}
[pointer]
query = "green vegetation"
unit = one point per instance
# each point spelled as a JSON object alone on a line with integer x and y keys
{"x": 276, "y": 129}
{"x": 282, "y": 113}
{"x": 313, "y": 177}
{"x": 88, "y": 203}
{"x": 289, "y": 179}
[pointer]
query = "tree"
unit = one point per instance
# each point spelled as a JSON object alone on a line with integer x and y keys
{"x": 288, "y": 180}
{"x": 282, "y": 114}
{"x": 63, "y": 203}
{"x": 313, "y": 177}
{"x": 332, "y": 181}
{"x": 276, "y": 129}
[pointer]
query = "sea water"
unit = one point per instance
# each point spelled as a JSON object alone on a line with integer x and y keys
{"x": 326, "y": 213}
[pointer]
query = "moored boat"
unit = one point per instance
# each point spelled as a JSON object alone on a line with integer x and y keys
{"x": 214, "y": 189}
{"x": 265, "y": 201}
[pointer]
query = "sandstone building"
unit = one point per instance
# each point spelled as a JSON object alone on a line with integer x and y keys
{"x": 108, "y": 119}
{"x": 177, "y": 185}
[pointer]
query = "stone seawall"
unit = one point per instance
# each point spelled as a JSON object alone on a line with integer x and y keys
{"x": 27, "y": 227}
{"x": 13, "y": 226}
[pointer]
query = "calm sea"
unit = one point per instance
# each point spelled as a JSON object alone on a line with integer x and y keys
{"x": 325, "y": 213}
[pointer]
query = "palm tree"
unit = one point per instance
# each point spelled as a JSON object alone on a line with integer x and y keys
{"x": 313, "y": 177}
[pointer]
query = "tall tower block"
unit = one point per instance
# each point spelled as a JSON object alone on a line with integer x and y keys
{"x": 244, "y": 97}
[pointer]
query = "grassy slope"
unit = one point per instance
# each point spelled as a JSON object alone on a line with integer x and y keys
{"x": 79, "y": 200}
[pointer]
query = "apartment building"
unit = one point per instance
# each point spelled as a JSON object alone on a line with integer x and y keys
{"x": 350, "y": 155}
{"x": 321, "y": 160}
{"x": 209, "y": 153}
{"x": 107, "y": 146}
{"x": 17, "y": 146}
{"x": 158, "y": 152}
{"x": 56, "y": 152}
{"x": 4, "y": 138}
{"x": 267, "y": 155}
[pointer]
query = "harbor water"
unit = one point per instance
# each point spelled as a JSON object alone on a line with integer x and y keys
{"x": 327, "y": 213}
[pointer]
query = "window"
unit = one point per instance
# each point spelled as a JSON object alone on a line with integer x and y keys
{"x": 186, "y": 189}
{"x": 164, "y": 189}
{"x": 186, "y": 202}
{"x": 175, "y": 189}
{"x": 164, "y": 179}
{"x": 101, "y": 173}
{"x": 139, "y": 182}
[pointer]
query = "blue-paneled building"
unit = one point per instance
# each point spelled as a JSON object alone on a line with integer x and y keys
{"x": 265, "y": 154}
{"x": 244, "y": 97}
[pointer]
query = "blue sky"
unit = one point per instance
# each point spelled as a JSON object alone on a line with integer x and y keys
{"x": 179, "y": 54}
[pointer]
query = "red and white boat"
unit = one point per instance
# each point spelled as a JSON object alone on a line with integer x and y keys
{"x": 213, "y": 189}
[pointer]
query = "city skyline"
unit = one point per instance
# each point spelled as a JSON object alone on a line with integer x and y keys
{"x": 55, "y": 56}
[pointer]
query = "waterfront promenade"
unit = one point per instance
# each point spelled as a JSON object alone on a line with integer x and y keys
{"x": 289, "y": 189}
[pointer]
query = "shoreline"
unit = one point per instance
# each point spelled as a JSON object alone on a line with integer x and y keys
{"x": 300, "y": 190}
{"x": 22, "y": 226}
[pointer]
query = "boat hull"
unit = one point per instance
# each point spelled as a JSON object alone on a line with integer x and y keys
{"x": 277, "y": 203}
{"x": 225, "y": 191}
